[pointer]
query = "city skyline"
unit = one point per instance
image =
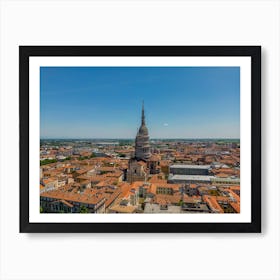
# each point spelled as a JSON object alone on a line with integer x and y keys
{"x": 105, "y": 102}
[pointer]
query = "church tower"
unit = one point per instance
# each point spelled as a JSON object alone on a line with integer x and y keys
{"x": 137, "y": 165}
{"x": 142, "y": 146}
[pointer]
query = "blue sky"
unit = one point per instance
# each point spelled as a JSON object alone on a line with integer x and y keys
{"x": 105, "y": 102}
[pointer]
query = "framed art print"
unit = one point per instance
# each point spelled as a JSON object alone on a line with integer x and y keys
{"x": 140, "y": 138}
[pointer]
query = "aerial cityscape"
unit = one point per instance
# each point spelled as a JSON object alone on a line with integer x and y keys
{"x": 143, "y": 174}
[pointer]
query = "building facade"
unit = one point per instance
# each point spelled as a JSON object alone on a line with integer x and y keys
{"x": 137, "y": 171}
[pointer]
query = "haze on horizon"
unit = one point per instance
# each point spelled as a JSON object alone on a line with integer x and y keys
{"x": 105, "y": 102}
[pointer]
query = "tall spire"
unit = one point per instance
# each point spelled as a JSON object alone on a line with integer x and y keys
{"x": 143, "y": 114}
{"x": 142, "y": 146}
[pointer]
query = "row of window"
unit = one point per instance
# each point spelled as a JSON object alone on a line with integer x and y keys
{"x": 49, "y": 199}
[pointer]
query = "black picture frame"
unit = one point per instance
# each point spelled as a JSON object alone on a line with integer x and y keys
{"x": 254, "y": 52}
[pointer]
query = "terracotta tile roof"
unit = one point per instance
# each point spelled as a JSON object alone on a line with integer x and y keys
{"x": 83, "y": 177}
{"x": 112, "y": 198}
{"x": 222, "y": 175}
{"x": 124, "y": 188}
{"x": 222, "y": 198}
{"x": 235, "y": 206}
{"x": 143, "y": 163}
{"x": 73, "y": 196}
{"x": 166, "y": 199}
{"x": 153, "y": 187}
{"x": 106, "y": 168}
{"x": 154, "y": 158}
{"x": 213, "y": 204}
{"x": 155, "y": 179}
{"x": 123, "y": 209}
{"x": 234, "y": 195}
{"x": 115, "y": 174}
{"x": 49, "y": 180}
{"x": 102, "y": 184}
{"x": 237, "y": 188}
{"x": 191, "y": 199}
{"x": 165, "y": 162}
{"x": 137, "y": 184}
{"x": 66, "y": 203}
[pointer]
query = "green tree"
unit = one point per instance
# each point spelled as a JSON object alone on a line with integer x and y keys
{"x": 67, "y": 158}
{"x": 213, "y": 192}
{"x": 47, "y": 161}
{"x": 180, "y": 203}
{"x": 83, "y": 209}
{"x": 122, "y": 155}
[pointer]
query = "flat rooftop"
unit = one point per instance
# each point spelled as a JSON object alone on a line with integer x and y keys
{"x": 156, "y": 209}
{"x": 202, "y": 178}
{"x": 190, "y": 166}
{"x": 216, "y": 179}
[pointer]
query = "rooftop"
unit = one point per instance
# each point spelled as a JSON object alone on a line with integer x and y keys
{"x": 203, "y": 178}
{"x": 122, "y": 208}
{"x": 228, "y": 179}
{"x": 157, "y": 209}
{"x": 190, "y": 166}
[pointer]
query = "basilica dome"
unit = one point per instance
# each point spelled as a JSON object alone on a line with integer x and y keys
{"x": 143, "y": 130}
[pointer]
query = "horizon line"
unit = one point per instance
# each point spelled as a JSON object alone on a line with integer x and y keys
{"x": 133, "y": 138}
